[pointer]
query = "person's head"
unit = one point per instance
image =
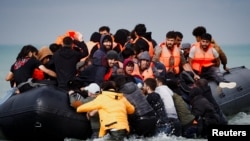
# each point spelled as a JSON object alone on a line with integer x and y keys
{"x": 185, "y": 47}
{"x": 206, "y": 39}
{"x": 140, "y": 29}
{"x": 112, "y": 57}
{"x": 67, "y": 41}
{"x": 27, "y": 51}
{"x": 104, "y": 30}
{"x": 44, "y": 54}
{"x": 121, "y": 36}
{"x": 149, "y": 84}
{"x": 93, "y": 89}
{"x": 160, "y": 80}
{"x": 106, "y": 42}
{"x": 109, "y": 85}
{"x": 179, "y": 37}
{"x": 128, "y": 53}
{"x": 95, "y": 37}
{"x": 54, "y": 47}
{"x": 170, "y": 39}
{"x": 144, "y": 60}
{"x": 128, "y": 66}
{"x": 198, "y": 31}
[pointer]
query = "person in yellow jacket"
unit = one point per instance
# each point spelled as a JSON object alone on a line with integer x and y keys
{"x": 113, "y": 109}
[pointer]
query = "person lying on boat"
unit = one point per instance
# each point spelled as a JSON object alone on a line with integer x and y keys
{"x": 113, "y": 109}
{"x": 203, "y": 57}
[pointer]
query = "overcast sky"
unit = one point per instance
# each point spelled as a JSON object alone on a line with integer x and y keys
{"x": 39, "y": 22}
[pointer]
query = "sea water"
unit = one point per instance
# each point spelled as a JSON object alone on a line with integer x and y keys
{"x": 237, "y": 55}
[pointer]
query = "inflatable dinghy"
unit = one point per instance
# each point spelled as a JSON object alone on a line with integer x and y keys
{"x": 237, "y": 99}
{"x": 43, "y": 113}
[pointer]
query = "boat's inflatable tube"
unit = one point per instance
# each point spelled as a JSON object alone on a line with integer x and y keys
{"x": 42, "y": 114}
{"x": 237, "y": 99}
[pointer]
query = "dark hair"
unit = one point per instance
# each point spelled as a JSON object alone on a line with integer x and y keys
{"x": 161, "y": 79}
{"x": 95, "y": 37}
{"x": 206, "y": 36}
{"x": 67, "y": 41}
{"x": 103, "y": 28}
{"x": 199, "y": 30}
{"x": 127, "y": 52}
{"x": 178, "y": 34}
{"x": 26, "y": 50}
{"x": 151, "y": 82}
{"x": 140, "y": 29}
{"x": 54, "y": 47}
{"x": 171, "y": 34}
{"x": 107, "y": 85}
{"x": 121, "y": 36}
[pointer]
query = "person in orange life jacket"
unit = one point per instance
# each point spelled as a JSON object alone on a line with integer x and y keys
{"x": 171, "y": 56}
{"x": 145, "y": 68}
{"x": 128, "y": 67}
{"x": 113, "y": 109}
{"x": 121, "y": 38}
{"x": 65, "y": 60}
{"x": 197, "y": 32}
{"x": 154, "y": 99}
{"x": 203, "y": 58}
{"x": 178, "y": 39}
{"x": 23, "y": 68}
{"x": 143, "y": 39}
{"x": 143, "y": 121}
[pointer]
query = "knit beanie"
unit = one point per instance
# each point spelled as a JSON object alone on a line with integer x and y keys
{"x": 44, "y": 52}
{"x": 112, "y": 55}
{"x": 144, "y": 56}
{"x": 126, "y": 62}
{"x": 185, "y": 45}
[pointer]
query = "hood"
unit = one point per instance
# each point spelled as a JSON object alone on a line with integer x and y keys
{"x": 44, "y": 52}
{"x": 104, "y": 37}
{"x": 128, "y": 88}
{"x": 113, "y": 95}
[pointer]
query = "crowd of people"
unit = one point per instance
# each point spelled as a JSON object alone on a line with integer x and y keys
{"x": 128, "y": 82}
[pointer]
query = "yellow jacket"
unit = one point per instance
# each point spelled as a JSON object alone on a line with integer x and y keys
{"x": 113, "y": 108}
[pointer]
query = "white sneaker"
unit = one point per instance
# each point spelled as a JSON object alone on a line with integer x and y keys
{"x": 229, "y": 85}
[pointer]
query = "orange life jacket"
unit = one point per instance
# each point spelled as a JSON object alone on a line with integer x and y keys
{"x": 201, "y": 58}
{"x": 165, "y": 58}
{"x": 150, "y": 44}
{"x": 148, "y": 73}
